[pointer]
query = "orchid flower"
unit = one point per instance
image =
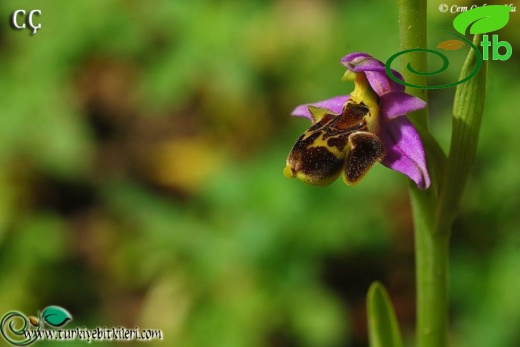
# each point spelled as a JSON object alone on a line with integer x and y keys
{"x": 351, "y": 133}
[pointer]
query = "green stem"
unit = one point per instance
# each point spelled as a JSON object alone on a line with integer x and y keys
{"x": 434, "y": 209}
{"x": 412, "y": 34}
{"x": 431, "y": 264}
{"x": 431, "y": 247}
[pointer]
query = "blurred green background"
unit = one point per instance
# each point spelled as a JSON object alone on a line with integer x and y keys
{"x": 142, "y": 145}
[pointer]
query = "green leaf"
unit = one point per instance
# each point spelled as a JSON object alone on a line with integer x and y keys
{"x": 56, "y": 316}
{"x": 482, "y": 20}
{"x": 383, "y": 328}
{"x": 468, "y": 108}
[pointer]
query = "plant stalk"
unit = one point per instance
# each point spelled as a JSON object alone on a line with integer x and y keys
{"x": 431, "y": 247}
{"x": 431, "y": 266}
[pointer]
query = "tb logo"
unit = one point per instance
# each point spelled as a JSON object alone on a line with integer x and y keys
{"x": 483, "y": 20}
{"x": 29, "y": 20}
{"x": 495, "y": 46}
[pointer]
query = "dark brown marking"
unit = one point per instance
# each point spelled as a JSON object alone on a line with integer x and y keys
{"x": 312, "y": 153}
{"x": 367, "y": 149}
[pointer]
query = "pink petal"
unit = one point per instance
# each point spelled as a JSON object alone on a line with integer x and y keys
{"x": 335, "y": 105}
{"x": 404, "y": 150}
{"x": 360, "y": 62}
{"x": 381, "y": 83}
{"x": 396, "y": 104}
{"x": 375, "y": 71}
